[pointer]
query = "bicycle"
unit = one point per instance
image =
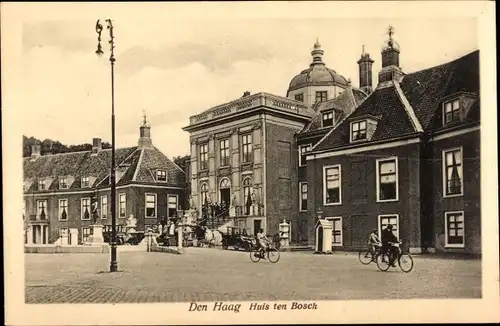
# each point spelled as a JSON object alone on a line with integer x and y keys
{"x": 405, "y": 260}
{"x": 273, "y": 254}
{"x": 366, "y": 257}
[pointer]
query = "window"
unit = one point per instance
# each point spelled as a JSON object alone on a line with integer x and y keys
{"x": 384, "y": 220}
{"x": 454, "y": 229}
{"x": 336, "y": 231}
{"x": 63, "y": 183}
{"x": 452, "y": 172}
{"x": 204, "y": 193}
{"x": 172, "y": 206}
{"x": 299, "y": 97}
{"x": 41, "y": 211}
{"x": 332, "y": 185}
{"x": 247, "y": 193}
{"x": 246, "y": 141}
{"x": 303, "y": 149}
{"x": 451, "y": 111}
{"x": 204, "y": 157}
{"x": 85, "y": 182}
{"x": 104, "y": 207}
{"x": 41, "y": 184}
{"x": 161, "y": 175}
{"x": 321, "y": 96}
{"x": 327, "y": 119}
{"x": 387, "y": 179}
{"x": 85, "y": 209}
{"x": 63, "y": 209}
{"x": 303, "y": 197}
{"x": 122, "y": 205}
{"x": 358, "y": 130}
{"x": 86, "y": 232}
{"x": 224, "y": 152}
{"x": 151, "y": 205}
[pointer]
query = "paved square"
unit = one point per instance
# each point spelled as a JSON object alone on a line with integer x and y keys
{"x": 212, "y": 274}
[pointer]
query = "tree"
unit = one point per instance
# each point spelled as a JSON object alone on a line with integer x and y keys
{"x": 49, "y": 146}
{"x": 181, "y": 161}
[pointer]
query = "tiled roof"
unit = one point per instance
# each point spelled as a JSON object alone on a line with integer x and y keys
{"x": 423, "y": 91}
{"x": 82, "y": 164}
{"x": 384, "y": 103}
{"x": 343, "y": 104}
{"x": 426, "y": 88}
{"x": 151, "y": 160}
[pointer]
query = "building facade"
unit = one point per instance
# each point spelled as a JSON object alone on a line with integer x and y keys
{"x": 65, "y": 193}
{"x": 408, "y": 155}
{"x": 405, "y": 153}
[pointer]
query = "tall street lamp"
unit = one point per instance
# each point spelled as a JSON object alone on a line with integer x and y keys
{"x": 113, "y": 266}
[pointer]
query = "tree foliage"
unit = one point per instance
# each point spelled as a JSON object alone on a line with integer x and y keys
{"x": 49, "y": 146}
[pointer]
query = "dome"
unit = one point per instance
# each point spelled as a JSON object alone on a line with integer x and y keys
{"x": 317, "y": 74}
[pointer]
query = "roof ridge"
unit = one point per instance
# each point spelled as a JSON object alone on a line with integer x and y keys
{"x": 116, "y": 165}
{"x": 442, "y": 64}
{"x": 79, "y": 152}
{"x": 134, "y": 178}
{"x": 408, "y": 108}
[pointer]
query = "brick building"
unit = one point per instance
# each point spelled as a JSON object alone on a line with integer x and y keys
{"x": 59, "y": 189}
{"x": 408, "y": 155}
{"x": 405, "y": 152}
{"x": 244, "y": 153}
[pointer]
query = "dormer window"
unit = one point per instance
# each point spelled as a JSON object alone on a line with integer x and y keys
{"x": 451, "y": 111}
{"x": 63, "y": 183}
{"x": 85, "y": 182}
{"x": 41, "y": 184}
{"x": 321, "y": 96}
{"x": 161, "y": 175}
{"x": 303, "y": 149}
{"x": 358, "y": 130}
{"x": 328, "y": 119}
{"x": 299, "y": 97}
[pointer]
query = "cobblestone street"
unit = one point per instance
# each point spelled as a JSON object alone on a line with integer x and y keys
{"x": 212, "y": 274}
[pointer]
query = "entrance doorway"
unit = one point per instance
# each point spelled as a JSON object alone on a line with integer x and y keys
{"x": 257, "y": 225}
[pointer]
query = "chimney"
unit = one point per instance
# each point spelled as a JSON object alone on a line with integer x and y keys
{"x": 246, "y": 93}
{"x": 96, "y": 145}
{"x": 365, "y": 72}
{"x": 35, "y": 151}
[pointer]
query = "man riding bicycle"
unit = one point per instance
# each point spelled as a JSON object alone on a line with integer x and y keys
{"x": 388, "y": 238}
{"x": 374, "y": 242}
{"x": 262, "y": 242}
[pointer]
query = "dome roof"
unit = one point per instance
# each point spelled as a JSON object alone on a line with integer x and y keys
{"x": 317, "y": 74}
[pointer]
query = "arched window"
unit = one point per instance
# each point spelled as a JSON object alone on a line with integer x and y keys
{"x": 204, "y": 193}
{"x": 247, "y": 193}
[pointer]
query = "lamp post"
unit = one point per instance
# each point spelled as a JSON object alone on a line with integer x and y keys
{"x": 113, "y": 266}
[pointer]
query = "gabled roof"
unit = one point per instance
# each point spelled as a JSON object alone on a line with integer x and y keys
{"x": 81, "y": 164}
{"x": 414, "y": 104}
{"x": 343, "y": 104}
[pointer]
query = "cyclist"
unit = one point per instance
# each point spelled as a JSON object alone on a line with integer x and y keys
{"x": 262, "y": 242}
{"x": 374, "y": 242}
{"x": 387, "y": 239}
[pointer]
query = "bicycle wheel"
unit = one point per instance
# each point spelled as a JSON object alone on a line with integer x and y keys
{"x": 273, "y": 255}
{"x": 255, "y": 255}
{"x": 383, "y": 262}
{"x": 365, "y": 257}
{"x": 405, "y": 262}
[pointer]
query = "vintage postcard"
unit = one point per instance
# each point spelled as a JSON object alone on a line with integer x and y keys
{"x": 249, "y": 162}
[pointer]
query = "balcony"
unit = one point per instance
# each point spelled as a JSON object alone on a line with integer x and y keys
{"x": 250, "y": 102}
{"x": 43, "y": 218}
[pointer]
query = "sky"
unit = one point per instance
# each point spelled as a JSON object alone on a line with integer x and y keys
{"x": 176, "y": 67}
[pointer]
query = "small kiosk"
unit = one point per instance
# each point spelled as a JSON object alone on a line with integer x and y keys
{"x": 323, "y": 237}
